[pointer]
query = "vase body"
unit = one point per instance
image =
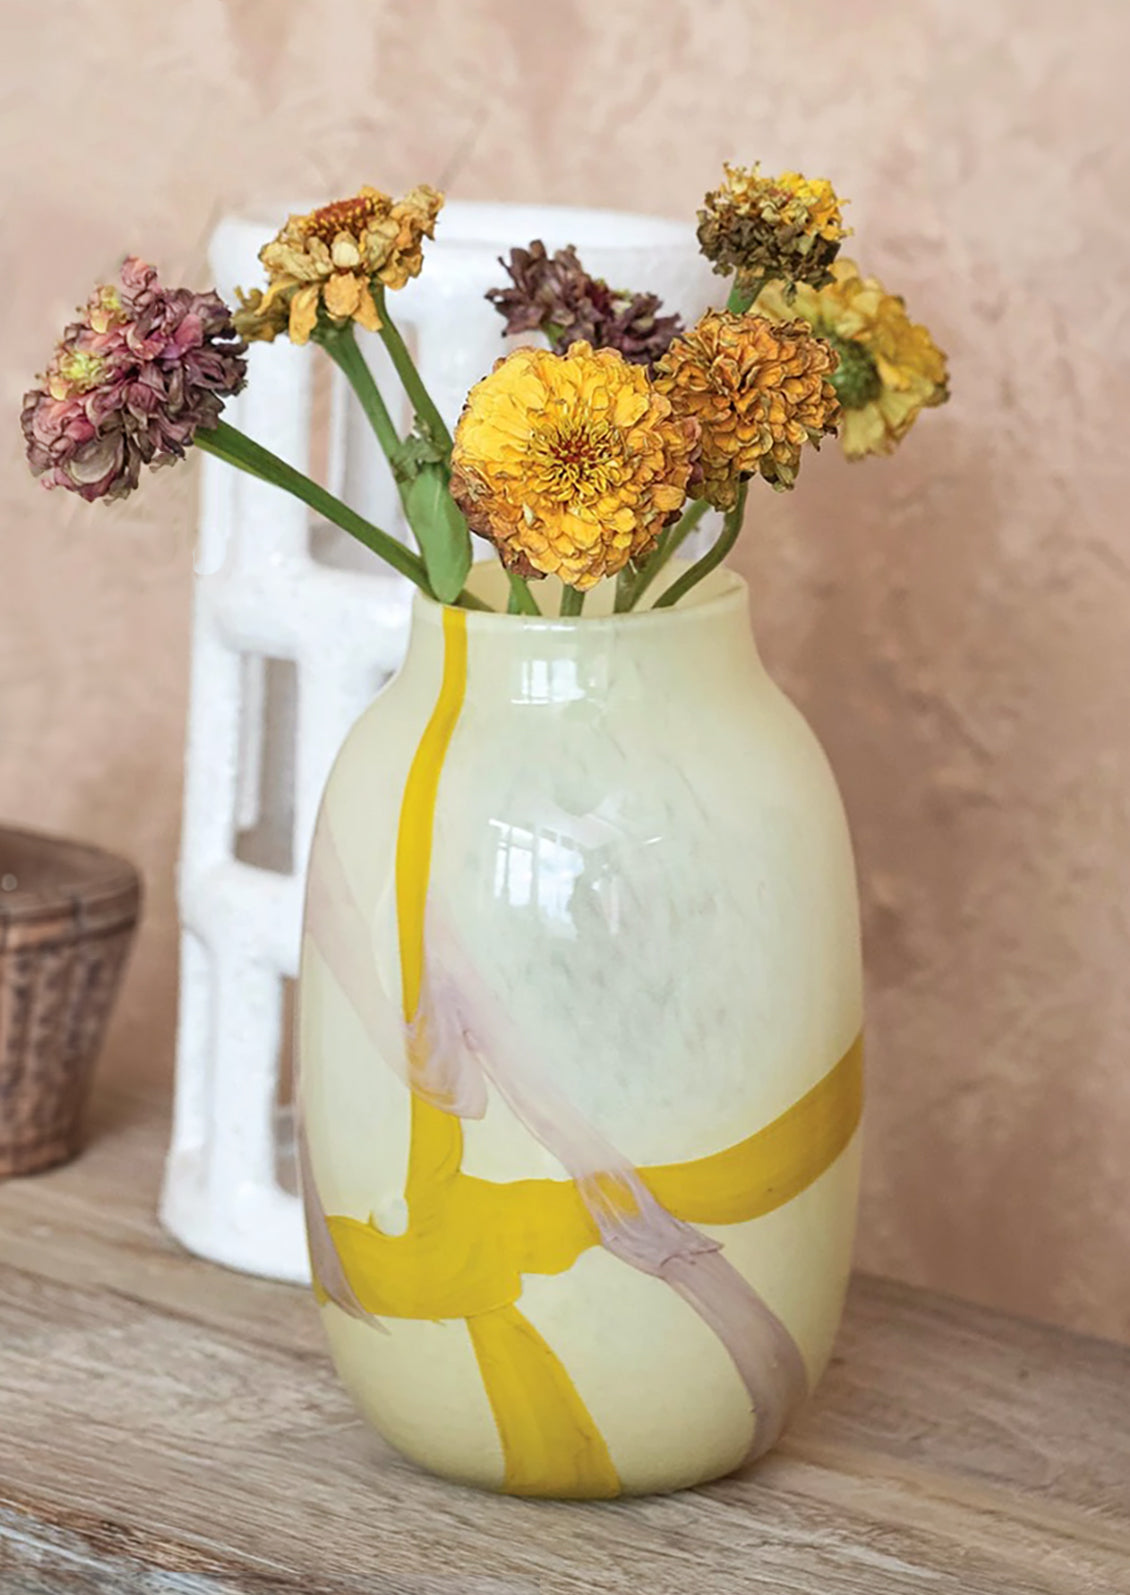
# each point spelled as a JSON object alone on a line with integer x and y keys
{"x": 580, "y": 1068}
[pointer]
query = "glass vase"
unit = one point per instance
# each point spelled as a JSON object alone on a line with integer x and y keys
{"x": 579, "y": 1039}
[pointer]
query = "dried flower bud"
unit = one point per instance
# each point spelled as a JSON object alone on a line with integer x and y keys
{"x": 330, "y": 260}
{"x": 555, "y": 295}
{"x": 759, "y": 392}
{"x": 766, "y": 227}
{"x": 890, "y": 367}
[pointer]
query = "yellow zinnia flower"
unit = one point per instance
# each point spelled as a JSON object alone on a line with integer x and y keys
{"x": 571, "y": 464}
{"x": 890, "y": 367}
{"x": 759, "y": 392}
{"x": 331, "y": 259}
{"x": 764, "y": 227}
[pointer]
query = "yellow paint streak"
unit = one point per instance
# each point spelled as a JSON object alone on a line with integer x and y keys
{"x": 460, "y": 1258}
{"x": 550, "y": 1443}
{"x": 436, "y": 1145}
{"x": 418, "y": 811}
{"x": 773, "y": 1165}
{"x": 471, "y": 1240}
{"x": 468, "y": 1244}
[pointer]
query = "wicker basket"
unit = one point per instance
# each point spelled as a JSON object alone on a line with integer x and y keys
{"x": 67, "y": 915}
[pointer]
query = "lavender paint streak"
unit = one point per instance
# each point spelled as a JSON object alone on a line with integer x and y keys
{"x": 428, "y": 1054}
{"x": 461, "y": 1038}
{"x": 633, "y": 1225}
{"x": 766, "y": 1356}
{"x": 325, "y": 1264}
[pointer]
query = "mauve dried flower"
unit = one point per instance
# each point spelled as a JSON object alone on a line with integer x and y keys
{"x": 130, "y": 383}
{"x": 554, "y": 294}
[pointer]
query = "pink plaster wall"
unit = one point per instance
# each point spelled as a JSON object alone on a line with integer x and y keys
{"x": 954, "y": 622}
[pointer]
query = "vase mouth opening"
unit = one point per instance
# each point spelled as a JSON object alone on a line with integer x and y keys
{"x": 720, "y": 593}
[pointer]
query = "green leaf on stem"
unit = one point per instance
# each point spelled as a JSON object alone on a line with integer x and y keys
{"x": 441, "y": 530}
{"x": 417, "y": 451}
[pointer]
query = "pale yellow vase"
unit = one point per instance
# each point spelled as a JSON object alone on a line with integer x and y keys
{"x": 580, "y": 1049}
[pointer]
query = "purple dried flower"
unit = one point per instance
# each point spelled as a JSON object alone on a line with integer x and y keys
{"x": 130, "y": 383}
{"x": 555, "y": 295}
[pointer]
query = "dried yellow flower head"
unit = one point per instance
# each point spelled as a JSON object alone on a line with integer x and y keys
{"x": 332, "y": 257}
{"x": 571, "y": 464}
{"x": 890, "y": 368}
{"x": 765, "y": 227}
{"x": 759, "y": 391}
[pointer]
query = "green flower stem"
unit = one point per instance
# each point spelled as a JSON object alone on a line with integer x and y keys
{"x": 572, "y": 601}
{"x": 341, "y": 346}
{"x": 625, "y": 583}
{"x": 728, "y": 536}
{"x": 522, "y": 600}
{"x": 440, "y": 531}
{"x": 670, "y": 540}
{"x": 405, "y": 367}
{"x": 743, "y": 299}
{"x": 235, "y": 448}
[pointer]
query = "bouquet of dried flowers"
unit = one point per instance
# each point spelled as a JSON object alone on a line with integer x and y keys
{"x": 589, "y": 456}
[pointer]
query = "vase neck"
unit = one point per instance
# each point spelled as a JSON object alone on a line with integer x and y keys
{"x": 697, "y": 647}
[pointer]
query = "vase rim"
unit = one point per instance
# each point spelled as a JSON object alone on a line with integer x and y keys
{"x": 722, "y": 592}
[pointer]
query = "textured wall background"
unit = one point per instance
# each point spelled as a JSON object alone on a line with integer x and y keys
{"x": 954, "y": 622}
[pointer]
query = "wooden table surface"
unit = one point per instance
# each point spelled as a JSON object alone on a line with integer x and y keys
{"x": 168, "y": 1426}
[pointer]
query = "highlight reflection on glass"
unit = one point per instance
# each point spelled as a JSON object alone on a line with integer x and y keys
{"x": 536, "y": 868}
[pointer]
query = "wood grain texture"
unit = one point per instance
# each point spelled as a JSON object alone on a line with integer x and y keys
{"x": 173, "y": 1429}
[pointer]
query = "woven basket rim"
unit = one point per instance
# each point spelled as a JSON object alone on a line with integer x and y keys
{"x": 66, "y": 876}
